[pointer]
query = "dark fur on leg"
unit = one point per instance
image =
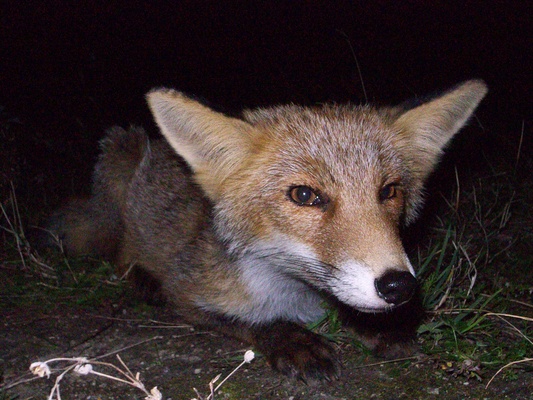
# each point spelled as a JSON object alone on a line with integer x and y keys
{"x": 296, "y": 351}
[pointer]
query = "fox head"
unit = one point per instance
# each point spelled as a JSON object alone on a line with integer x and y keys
{"x": 319, "y": 192}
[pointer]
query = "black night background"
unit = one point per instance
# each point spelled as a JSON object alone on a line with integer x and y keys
{"x": 70, "y": 70}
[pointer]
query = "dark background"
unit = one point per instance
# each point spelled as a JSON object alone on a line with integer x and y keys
{"x": 70, "y": 70}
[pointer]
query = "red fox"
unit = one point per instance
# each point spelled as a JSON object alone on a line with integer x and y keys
{"x": 248, "y": 224}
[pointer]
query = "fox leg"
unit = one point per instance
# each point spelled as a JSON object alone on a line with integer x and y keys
{"x": 288, "y": 348}
{"x": 296, "y": 351}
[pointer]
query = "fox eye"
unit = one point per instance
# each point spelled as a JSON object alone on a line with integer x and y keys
{"x": 304, "y": 196}
{"x": 389, "y": 191}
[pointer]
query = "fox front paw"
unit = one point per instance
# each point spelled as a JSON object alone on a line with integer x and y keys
{"x": 297, "y": 352}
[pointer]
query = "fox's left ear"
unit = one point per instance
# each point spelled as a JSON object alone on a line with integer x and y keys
{"x": 424, "y": 131}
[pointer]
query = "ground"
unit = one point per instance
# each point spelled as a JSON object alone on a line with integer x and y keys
{"x": 177, "y": 359}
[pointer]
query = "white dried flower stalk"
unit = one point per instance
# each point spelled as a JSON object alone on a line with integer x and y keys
{"x": 40, "y": 368}
{"x": 83, "y": 369}
{"x": 155, "y": 394}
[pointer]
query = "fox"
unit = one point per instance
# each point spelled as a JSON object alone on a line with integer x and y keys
{"x": 249, "y": 224}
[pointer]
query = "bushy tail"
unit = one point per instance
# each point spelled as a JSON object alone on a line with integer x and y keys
{"x": 95, "y": 225}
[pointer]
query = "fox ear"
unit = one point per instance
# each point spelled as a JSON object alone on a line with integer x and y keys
{"x": 424, "y": 131}
{"x": 212, "y": 143}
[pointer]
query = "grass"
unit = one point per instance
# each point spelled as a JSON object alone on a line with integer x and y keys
{"x": 476, "y": 324}
{"x": 52, "y": 278}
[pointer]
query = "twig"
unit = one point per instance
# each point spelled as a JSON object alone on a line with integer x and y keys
{"x": 345, "y": 36}
{"x": 506, "y": 366}
{"x": 84, "y": 366}
{"x": 385, "y": 362}
{"x": 520, "y": 144}
{"x": 127, "y": 347}
{"x": 248, "y": 357}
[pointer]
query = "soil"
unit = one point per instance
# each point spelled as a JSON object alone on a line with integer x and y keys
{"x": 177, "y": 359}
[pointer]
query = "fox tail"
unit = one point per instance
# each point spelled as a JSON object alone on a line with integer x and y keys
{"x": 95, "y": 225}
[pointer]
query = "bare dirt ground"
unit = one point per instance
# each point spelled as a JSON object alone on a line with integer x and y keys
{"x": 178, "y": 359}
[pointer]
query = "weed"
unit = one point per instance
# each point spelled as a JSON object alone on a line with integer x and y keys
{"x": 54, "y": 277}
{"x": 461, "y": 294}
{"x": 248, "y": 357}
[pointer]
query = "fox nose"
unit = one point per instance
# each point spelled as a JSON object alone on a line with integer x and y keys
{"x": 396, "y": 287}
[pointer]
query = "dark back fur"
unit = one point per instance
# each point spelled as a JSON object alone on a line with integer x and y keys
{"x": 95, "y": 225}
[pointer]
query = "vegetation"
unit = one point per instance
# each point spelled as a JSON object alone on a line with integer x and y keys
{"x": 473, "y": 281}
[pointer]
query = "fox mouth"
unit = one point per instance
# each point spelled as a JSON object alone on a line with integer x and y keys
{"x": 330, "y": 281}
{"x": 378, "y": 310}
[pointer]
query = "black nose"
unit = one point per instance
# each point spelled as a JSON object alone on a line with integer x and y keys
{"x": 396, "y": 287}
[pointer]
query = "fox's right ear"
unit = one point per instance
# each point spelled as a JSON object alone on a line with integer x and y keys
{"x": 212, "y": 143}
{"x": 424, "y": 131}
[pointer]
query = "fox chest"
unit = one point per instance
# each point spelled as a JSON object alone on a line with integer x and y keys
{"x": 259, "y": 295}
{"x": 271, "y": 295}
{"x": 287, "y": 299}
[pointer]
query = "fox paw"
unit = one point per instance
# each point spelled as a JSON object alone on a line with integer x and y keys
{"x": 298, "y": 352}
